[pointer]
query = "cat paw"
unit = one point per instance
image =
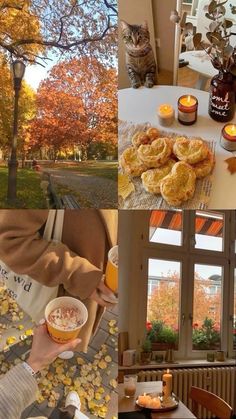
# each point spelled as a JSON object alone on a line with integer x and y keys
{"x": 149, "y": 84}
{"x": 136, "y": 85}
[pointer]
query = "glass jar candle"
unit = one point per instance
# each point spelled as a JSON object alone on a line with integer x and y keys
{"x": 166, "y": 115}
{"x": 187, "y": 109}
{"x": 228, "y": 137}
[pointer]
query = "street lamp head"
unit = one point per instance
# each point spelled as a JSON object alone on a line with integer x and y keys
{"x": 18, "y": 68}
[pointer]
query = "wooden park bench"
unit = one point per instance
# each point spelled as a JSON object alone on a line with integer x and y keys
{"x": 68, "y": 201}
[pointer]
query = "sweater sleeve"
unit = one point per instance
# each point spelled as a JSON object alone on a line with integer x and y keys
{"x": 52, "y": 264}
{"x": 18, "y": 390}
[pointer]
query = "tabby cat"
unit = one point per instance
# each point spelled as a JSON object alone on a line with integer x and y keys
{"x": 140, "y": 61}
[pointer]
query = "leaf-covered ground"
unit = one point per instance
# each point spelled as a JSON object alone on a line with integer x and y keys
{"x": 92, "y": 375}
{"x": 107, "y": 170}
{"x": 29, "y": 193}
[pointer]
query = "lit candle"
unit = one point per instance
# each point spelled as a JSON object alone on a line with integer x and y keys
{"x": 166, "y": 115}
{"x": 187, "y": 109}
{"x": 167, "y": 384}
{"x": 228, "y": 137}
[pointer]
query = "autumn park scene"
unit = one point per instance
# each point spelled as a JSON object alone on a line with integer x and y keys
{"x": 58, "y": 104}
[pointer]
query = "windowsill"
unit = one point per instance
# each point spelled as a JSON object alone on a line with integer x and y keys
{"x": 180, "y": 364}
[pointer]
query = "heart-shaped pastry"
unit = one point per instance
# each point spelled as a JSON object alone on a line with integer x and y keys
{"x": 131, "y": 163}
{"x": 152, "y": 178}
{"x": 190, "y": 151}
{"x": 155, "y": 154}
{"x": 179, "y": 185}
{"x": 204, "y": 167}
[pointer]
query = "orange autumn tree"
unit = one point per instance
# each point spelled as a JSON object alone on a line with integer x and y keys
{"x": 164, "y": 302}
{"x": 76, "y": 105}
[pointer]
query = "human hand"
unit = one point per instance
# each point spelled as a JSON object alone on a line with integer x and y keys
{"x": 101, "y": 292}
{"x": 44, "y": 350}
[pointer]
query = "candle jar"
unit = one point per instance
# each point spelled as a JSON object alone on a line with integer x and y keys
{"x": 228, "y": 137}
{"x": 222, "y": 97}
{"x": 166, "y": 115}
{"x": 187, "y": 109}
{"x": 211, "y": 357}
{"x": 130, "y": 385}
{"x": 220, "y": 356}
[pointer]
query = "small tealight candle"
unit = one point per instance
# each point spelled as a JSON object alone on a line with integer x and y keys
{"x": 228, "y": 137}
{"x": 187, "y": 109}
{"x": 167, "y": 384}
{"x": 166, "y": 115}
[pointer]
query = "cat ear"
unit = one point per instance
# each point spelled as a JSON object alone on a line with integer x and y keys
{"x": 144, "y": 25}
{"x": 124, "y": 25}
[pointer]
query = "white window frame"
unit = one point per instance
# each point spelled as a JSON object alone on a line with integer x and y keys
{"x": 187, "y": 255}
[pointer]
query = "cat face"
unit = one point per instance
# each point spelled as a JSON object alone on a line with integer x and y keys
{"x": 135, "y": 37}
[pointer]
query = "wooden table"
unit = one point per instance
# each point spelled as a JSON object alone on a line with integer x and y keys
{"x": 140, "y": 105}
{"x": 126, "y": 405}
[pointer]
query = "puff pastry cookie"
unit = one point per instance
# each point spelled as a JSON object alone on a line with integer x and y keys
{"x": 131, "y": 163}
{"x": 140, "y": 138}
{"x": 204, "y": 167}
{"x": 153, "y": 133}
{"x": 179, "y": 185}
{"x": 190, "y": 151}
{"x": 152, "y": 178}
{"x": 155, "y": 154}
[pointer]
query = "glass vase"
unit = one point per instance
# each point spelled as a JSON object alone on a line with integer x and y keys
{"x": 222, "y": 97}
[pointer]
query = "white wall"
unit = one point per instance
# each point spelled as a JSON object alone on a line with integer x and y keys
{"x": 165, "y": 31}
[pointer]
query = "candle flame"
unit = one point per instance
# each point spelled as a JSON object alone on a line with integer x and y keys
{"x": 166, "y": 108}
{"x": 144, "y": 394}
{"x": 168, "y": 371}
{"x": 233, "y": 129}
{"x": 189, "y": 99}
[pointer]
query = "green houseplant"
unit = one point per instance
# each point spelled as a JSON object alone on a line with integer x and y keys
{"x": 206, "y": 336}
{"x": 146, "y": 351}
{"x": 161, "y": 336}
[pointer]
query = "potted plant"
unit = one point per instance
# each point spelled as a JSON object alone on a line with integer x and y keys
{"x": 222, "y": 56}
{"x": 146, "y": 352}
{"x": 207, "y": 336}
{"x": 161, "y": 336}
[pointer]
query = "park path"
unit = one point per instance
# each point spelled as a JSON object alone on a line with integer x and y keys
{"x": 99, "y": 192}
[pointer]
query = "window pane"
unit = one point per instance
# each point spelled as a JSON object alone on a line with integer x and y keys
{"x": 207, "y": 307}
{"x": 209, "y": 230}
{"x": 234, "y": 319}
{"x": 166, "y": 227}
{"x": 163, "y": 302}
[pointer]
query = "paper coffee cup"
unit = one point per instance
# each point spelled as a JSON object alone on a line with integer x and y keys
{"x": 111, "y": 280}
{"x": 60, "y": 335}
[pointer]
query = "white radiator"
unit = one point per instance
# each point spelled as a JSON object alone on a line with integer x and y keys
{"x": 220, "y": 381}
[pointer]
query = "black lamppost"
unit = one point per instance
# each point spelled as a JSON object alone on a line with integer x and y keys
{"x": 18, "y": 68}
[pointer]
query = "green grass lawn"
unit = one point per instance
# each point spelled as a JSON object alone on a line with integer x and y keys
{"x": 29, "y": 193}
{"x": 94, "y": 168}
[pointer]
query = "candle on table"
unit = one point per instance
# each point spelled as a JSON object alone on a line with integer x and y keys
{"x": 228, "y": 137}
{"x": 187, "y": 109}
{"x": 167, "y": 384}
{"x": 166, "y": 115}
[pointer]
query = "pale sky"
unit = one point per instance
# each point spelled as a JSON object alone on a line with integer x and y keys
{"x": 156, "y": 268}
{"x": 34, "y": 74}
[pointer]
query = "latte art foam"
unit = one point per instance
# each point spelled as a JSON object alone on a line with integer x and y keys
{"x": 66, "y": 318}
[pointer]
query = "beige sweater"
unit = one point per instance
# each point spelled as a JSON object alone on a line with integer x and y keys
{"x": 17, "y": 391}
{"x": 77, "y": 264}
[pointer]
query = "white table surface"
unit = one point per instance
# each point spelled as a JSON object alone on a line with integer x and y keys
{"x": 139, "y": 105}
{"x": 199, "y": 61}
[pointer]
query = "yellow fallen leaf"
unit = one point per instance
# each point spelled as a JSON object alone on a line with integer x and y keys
{"x": 4, "y": 307}
{"x": 113, "y": 383}
{"x": 80, "y": 361}
{"x": 20, "y": 327}
{"x": 11, "y": 340}
{"x": 29, "y": 332}
{"x": 102, "y": 364}
{"x": 108, "y": 358}
{"x": 125, "y": 186}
